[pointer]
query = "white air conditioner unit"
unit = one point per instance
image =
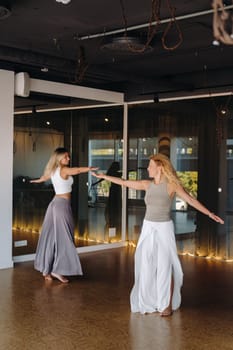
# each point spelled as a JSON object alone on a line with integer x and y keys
{"x": 22, "y": 84}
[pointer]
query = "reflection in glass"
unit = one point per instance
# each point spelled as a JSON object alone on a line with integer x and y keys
{"x": 105, "y": 198}
{"x": 97, "y": 208}
{"x": 145, "y": 135}
{"x": 32, "y": 145}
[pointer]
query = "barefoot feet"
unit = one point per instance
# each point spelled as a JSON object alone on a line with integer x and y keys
{"x": 60, "y": 277}
{"x": 166, "y": 312}
{"x": 48, "y": 277}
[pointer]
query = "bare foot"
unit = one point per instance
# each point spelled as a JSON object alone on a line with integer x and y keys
{"x": 48, "y": 277}
{"x": 166, "y": 312}
{"x": 60, "y": 277}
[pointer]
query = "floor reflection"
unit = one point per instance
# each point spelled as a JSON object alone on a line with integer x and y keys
{"x": 92, "y": 312}
{"x": 155, "y": 332}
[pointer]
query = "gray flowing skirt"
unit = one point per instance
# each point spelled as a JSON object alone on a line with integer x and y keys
{"x": 56, "y": 251}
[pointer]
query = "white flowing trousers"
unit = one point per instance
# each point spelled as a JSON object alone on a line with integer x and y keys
{"x": 156, "y": 262}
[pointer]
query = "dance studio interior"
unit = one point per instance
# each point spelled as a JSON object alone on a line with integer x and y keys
{"x": 115, "y": 81}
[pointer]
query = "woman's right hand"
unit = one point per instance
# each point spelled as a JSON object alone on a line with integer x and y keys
{"x": 99, "y": 176}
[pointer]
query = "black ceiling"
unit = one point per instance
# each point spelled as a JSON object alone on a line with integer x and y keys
{"x": 72, "y": 43}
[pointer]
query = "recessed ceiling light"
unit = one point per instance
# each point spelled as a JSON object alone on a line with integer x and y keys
{"x": 65, "y": 2}
{"x": 215, "y": 42}
{"x": 223, "y": 111}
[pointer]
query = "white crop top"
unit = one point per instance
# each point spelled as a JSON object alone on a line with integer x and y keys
{"x": 60, "y": 185}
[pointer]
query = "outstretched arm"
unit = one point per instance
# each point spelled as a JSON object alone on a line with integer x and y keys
{"x": 66, "y": 171}
{"x": 196, "y": 204}
{"x": 40, "y": 180}
{"x": 135, "y": 184}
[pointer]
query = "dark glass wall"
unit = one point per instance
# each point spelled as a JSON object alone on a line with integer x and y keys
{"x": 196, "y": 136}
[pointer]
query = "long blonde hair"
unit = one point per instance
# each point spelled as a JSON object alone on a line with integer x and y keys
{"x": 54, "y": 161}
{"x": 167, "y": 167}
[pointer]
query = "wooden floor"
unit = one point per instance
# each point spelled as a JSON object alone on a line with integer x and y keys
{"x": 92, "y": 312}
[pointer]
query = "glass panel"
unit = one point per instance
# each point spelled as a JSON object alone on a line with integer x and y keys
{"x": 229, "y": 216}
{"x": 139, "y": 151}
{"x": 105, "y": 198}
{"x": 96, "y": 207}
{"x": 145, "y": 135}
{"x": 184, "y": 160}
{"x": 35, "y": 138}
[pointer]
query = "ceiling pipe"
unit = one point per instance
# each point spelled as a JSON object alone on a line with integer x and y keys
{"x": 145, "y": 25}
{"x": 160, "y": 99}
{"x": 197, "y": 96}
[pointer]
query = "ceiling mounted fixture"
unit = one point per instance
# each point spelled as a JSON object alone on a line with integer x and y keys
{"x": 5, "y": 10}
{"x": 64, "y": 2}
{"x": 44, "y": 69}
{"x": 123, "y": 44}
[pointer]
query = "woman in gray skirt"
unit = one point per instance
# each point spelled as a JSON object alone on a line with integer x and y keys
{"x": 56, "y": 254}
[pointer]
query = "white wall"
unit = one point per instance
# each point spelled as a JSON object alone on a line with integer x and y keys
{"x": 6, "y": 158}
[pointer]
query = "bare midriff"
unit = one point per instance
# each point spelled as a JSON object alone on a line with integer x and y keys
{"x": 64, "y": 195}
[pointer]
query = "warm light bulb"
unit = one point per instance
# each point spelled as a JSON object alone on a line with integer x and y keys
{"x": 65, "y": 2}
{"x": 44, "y": 69}
{"x": 215, "y": 42}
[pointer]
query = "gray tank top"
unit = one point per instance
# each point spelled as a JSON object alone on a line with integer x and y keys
{"x": 158, "y": 202}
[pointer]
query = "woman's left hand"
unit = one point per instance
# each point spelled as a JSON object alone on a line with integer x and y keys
{"x": 99, "y": 176}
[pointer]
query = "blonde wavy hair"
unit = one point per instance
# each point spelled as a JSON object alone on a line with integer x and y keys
{"x": 54, "y": 161}
{"x": 167, "y": 167}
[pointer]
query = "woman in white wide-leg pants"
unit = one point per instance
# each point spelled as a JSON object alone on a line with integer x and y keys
{"x": 158, "y": 273}
{"x": 156, "y": 263}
